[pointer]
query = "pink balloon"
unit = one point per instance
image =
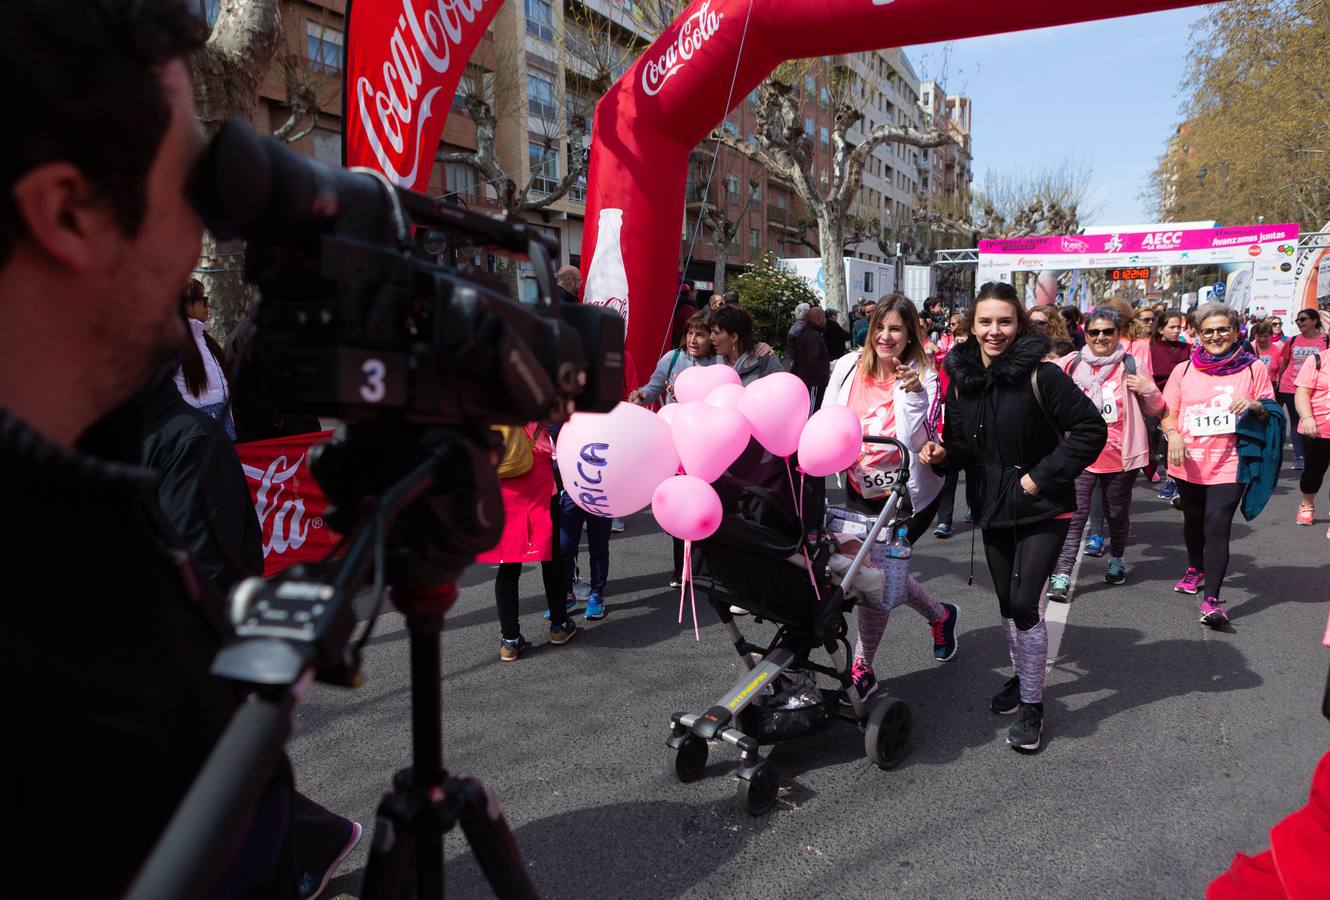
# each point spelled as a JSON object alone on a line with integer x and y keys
{"x": 726, "y": 395}
{"x": 696, "y": 382}
{"x": 687, "y": 507}
{"x": 709, "y": 438}
{"x": 777, "y": 407}
{"x": 831, "y": 441}
{"x": 668, "y": 411}
{"x": 612, "y": 462}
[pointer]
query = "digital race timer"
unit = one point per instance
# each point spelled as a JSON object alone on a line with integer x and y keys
{"x": 1128, "y": 274}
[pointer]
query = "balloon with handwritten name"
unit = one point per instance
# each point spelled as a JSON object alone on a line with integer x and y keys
{"x": 612, "y": 462}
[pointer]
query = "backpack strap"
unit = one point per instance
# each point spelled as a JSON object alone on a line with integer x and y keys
{"x": 1039, "y": 401}
{"x": 673, "y": 359}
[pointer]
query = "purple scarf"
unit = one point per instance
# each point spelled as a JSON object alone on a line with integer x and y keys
{"x": 1238, "y": 357}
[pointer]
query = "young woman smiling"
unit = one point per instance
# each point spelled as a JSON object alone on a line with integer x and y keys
{"x": 1025, "y": 431}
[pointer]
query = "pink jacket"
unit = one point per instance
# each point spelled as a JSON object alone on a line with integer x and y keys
{"x": 528, "y": 530}
{"x": 1135, "y": 434}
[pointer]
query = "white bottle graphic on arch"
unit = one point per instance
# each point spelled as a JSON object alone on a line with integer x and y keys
{"x": 606, "y": 279}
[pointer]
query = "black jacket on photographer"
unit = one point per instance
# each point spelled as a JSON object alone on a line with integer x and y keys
{"x": 996, "y": 429}
{"x": 110, "y": 710}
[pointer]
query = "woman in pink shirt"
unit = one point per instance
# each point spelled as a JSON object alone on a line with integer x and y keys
{"x": 1312, "y": 397}
{"x": 1206, "y": 396}
{"x": 892, "y": 386}
{"x": 1309, "y": 342}
{"x": 1106, "y": 373}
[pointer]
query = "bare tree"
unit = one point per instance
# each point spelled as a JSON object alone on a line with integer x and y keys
{"x": 227, "y": 73}
{"x": 786, "y": 150}
{"x": 725, "y": 228}
{"x": 1055, "y": 199}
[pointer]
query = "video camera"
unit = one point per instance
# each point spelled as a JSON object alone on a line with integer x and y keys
{"x": 354, "y": 323}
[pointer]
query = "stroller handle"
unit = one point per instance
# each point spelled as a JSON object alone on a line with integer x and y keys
{"x": 904, "y": 451}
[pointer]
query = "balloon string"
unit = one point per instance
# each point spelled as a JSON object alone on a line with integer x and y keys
{"x": 686, "y": 588}
{"x": 798, "y": 499}
{"x": 803, "y": 536}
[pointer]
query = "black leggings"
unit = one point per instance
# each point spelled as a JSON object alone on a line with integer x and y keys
{"x": 1020, "y": 559}
{"x": 1317, "y": 461}
{"x": 551, "y": 573}
{"x": 1207, "y": 521}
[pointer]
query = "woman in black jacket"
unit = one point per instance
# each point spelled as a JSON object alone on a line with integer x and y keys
{"x": 1026, "y": 431}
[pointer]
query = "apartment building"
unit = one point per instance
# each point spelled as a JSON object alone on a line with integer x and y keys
{"x": 949, "y": 169}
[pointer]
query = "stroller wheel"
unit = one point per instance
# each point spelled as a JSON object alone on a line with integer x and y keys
{"x": 689, "y": 758}
{"x": 758, "y": 791}
{"x": 887, "y": 737}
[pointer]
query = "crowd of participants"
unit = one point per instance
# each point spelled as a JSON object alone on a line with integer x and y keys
{"x": 1052, "y": 415}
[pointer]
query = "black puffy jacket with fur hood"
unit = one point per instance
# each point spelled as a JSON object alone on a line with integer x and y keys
{"x": 996, "y": 431}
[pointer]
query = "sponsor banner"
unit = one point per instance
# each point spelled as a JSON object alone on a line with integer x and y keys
{"x": 1247, "y": 239}
{"x": 404, "y": 59}
{"x": 288, "y": 501}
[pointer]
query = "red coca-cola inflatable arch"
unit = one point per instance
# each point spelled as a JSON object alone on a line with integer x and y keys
{"x": 406, "y": 57}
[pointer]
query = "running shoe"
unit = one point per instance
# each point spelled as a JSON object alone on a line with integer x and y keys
{"x": 1298, "y": 463}
{"x": 1027, "y": 731}
{"x": 969, "y": 514}
{"x": 568, "y": 605}
{"x": 1190, "y": 583}
{"x": 1168, "y": 490}
{"x": 1008, "y": 700}
{"x": 738, "y": 611}
{"x": 510, "y": 650}
{"x": 312, "y": 881}
{"x": 595, "y": 607}
{"x": 862, "y": 681}
{"x": 1212, "y": 613}
{"x": 676, "y": 582}
{"x": 1095, "y": 545}
{"x": 1306, "y": 515}
{"x": 564, "y": 633}
{"x": 1117, "y": 570}
{"x": 1176, "y": 500}
{"x": 616, "y": 525}
{"x": 1058, "y": 587}
{"x": 943, "y": 530}
{"x": 581, "y": 590}
{"x": 944, "y": 634}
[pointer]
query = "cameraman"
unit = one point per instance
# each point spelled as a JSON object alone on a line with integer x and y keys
{"x": 110, "y": 707}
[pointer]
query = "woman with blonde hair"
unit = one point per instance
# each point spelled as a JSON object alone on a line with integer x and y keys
{"x": 892, "y": 386}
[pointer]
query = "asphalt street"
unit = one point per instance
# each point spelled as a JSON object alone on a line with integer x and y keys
{"x": 1168, "y": 745}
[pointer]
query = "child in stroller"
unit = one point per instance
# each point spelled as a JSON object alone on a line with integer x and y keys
{"x": 774, "y": 557}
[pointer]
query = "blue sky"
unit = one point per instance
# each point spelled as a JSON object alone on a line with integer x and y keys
{"x": 1103, "y": 92}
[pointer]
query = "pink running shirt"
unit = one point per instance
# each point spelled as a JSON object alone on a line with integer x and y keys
{"x": 874, "y": 402}
{"x": 1317, "y": 383}
{"x": 1193, "y": 396}
{"x": 1299, "y": 349}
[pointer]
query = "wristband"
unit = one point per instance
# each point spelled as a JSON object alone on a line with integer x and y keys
{"x": 1169, "y": 431}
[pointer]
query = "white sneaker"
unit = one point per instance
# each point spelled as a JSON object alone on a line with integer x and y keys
{"x": 738, "y": 611}
{"x": 616, "y": 525}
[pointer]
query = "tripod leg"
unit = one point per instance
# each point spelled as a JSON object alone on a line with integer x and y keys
{"x": 391, "y": 870}
{"x": 490, "y": 838}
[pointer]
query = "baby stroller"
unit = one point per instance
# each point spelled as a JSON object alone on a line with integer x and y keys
{"x": 748, "y": 563}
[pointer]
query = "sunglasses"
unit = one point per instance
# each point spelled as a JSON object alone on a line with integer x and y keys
{"x": 1216, "y": 332}
{"x": 1301, "y": 319}
{"x": 1148, "y": 320}
{"x": 1100, "y": 332}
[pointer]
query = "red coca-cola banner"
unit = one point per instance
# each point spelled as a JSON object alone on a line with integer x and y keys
{"x": 404, "y": 59}
{"x": 289, "y": 502}
{"x": 680, "y": 88}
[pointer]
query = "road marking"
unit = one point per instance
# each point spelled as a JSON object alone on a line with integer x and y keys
{"x": 1055, "y": 614}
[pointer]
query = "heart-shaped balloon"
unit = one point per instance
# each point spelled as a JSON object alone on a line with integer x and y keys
{"x": 695, "y": 382}
{"x": 668, "y": 411}
{"x": 687, "y": 507}
{"x": 777, "y": 407}
{"x": 831, "y": 441}
{"x": 726, "y": 395}
{"x": 709, "y": 438}
{"x": 612, "y": 462}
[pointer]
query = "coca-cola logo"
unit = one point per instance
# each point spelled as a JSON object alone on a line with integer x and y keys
{"x": 390, "y": 108}
{"x": 693, "y": 33}
{"x": 281, "y": 521}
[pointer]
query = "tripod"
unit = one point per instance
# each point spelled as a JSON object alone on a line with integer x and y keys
{"x": 298, "y": 625}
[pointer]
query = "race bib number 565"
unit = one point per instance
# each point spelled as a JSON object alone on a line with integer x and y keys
{"x": 874, "y": 483}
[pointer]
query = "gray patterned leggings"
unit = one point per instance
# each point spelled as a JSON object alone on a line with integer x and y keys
{"x": 1117, "y": 514}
